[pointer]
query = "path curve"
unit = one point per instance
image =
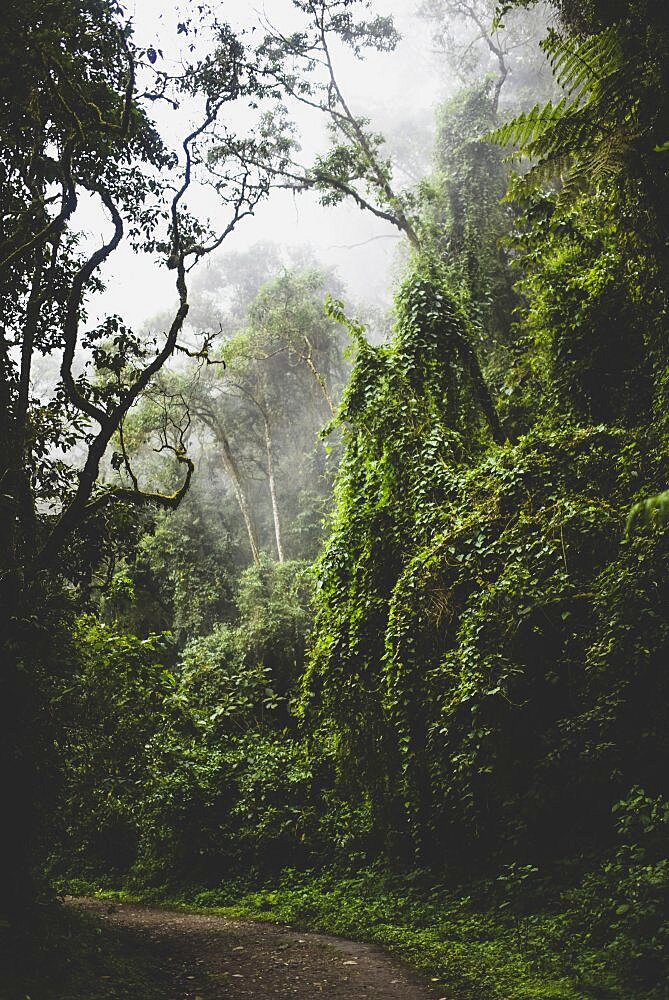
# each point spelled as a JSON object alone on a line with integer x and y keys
{"x": 215, "y": 958}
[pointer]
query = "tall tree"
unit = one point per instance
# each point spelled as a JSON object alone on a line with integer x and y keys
{"x": 74, "y": 89}
{"x": 282, "y": 377}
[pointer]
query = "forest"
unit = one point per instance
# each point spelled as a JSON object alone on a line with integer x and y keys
{"x": 340, "y": 612}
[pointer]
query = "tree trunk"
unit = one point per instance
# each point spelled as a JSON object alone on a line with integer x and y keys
{"x": 272, "y": 485}
{"x": 238, "y": 486}
{"x": 318, "y": 376}
{"x": 18, "y": 773}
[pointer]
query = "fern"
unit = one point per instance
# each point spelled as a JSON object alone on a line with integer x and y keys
{"x": 652, "y": 511}
{"x": 579, "y": 67}
{"x": 523, "y": 185}
{"x": 528, "y": 126}
{"x": 585, "y": 138}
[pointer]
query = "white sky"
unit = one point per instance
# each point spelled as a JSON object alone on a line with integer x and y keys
{"x": 406, "y": 81}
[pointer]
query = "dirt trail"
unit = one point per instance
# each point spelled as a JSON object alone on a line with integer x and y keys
{"x": 213, "y": 958}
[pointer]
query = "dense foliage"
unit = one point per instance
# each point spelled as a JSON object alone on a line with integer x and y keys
{"x": 184, "y": 762}
{"x": 467, "y": 688}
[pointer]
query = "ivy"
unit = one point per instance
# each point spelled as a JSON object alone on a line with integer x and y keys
{"x": 473, "y": 645}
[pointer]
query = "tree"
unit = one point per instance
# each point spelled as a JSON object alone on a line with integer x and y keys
{"x": 609, "y": 124}
{"x": 303, "y": 66}
{"x": 261, "y": 405}
{"x": 463, "y": 216}
{"x": 288, "y": 337}
{"x": 606, "y": 137}
{"x": 476, "y": 47}
{"x": 356, "y": 166}
{"x": 76, "y": 132}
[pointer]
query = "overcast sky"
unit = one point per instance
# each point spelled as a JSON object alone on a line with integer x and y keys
{"x": 400, "y": 86}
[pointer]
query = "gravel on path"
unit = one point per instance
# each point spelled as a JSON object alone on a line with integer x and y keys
{"x": 210, "y": 957}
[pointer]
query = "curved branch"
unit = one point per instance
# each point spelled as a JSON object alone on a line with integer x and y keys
{"x": 71, "y": 325}
{"x": 79, "y": 507}
{"x": 166, "y": 501}
{"x": 58, "y": 223}
{"x": 381, "y": 180}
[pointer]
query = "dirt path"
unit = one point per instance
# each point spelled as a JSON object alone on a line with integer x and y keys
{"x": 213, "y": 958}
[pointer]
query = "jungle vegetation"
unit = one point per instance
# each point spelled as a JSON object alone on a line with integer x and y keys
{"x": 368, "y": 632}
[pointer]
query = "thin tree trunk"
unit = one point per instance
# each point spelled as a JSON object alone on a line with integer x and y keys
{"x": 237, "y": 483}
{"x": 272, "y": 486}
{"x": 23, "y": 494}
{"x": 320, "y": 379}
{"x": 242, "y": 499}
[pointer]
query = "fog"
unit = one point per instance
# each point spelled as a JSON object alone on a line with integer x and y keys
{"x": 289, "y": 253}
{"x": 397, "y": 91}
{"x": 265, "y": 488}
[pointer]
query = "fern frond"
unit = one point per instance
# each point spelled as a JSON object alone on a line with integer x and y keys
{"x": 541, "y": 175}
{"x": 527, "y": 126}
{"x": 653, "y": 511}
{"x": 610, "y": 154}
{"x": 577, "y": 180}
{"x": 579, "y": 66}
{"x": 586, "y": 137}
{"x": 613, "y": 98}
{"x": 575, "y": 129}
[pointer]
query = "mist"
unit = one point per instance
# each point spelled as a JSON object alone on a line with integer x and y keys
{"x": 245, "y": 489}
{"x": 399, "y": 92}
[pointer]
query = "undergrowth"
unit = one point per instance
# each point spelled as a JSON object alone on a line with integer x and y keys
{"x": 472, "y": 946}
